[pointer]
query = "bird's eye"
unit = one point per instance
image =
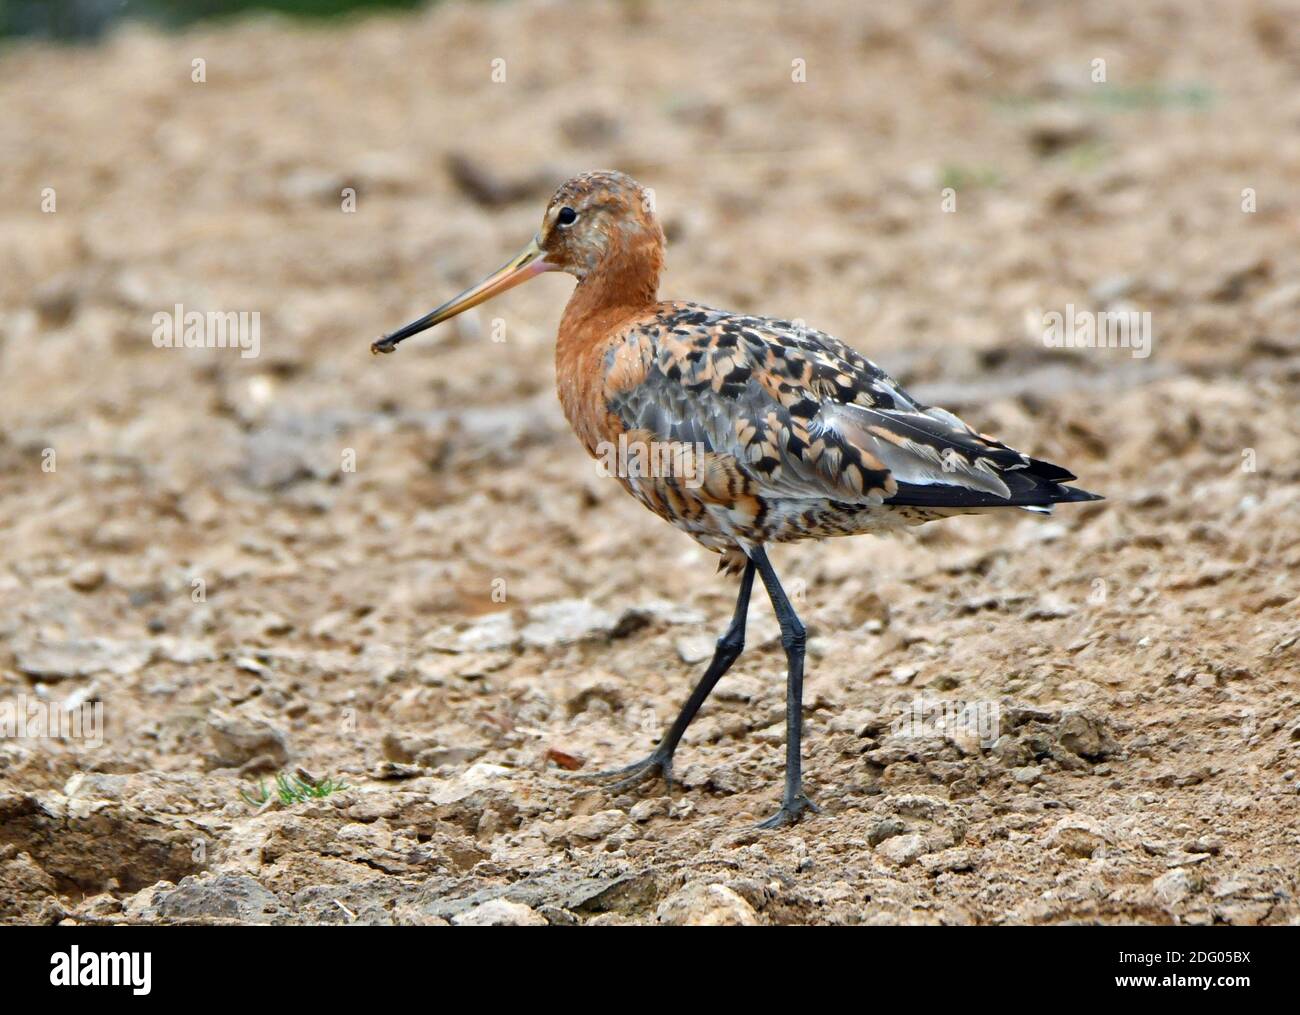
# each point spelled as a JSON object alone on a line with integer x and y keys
{"x": 566, "y": 217}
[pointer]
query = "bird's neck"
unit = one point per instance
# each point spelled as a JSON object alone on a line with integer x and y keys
{"x": 624, "y": 283}
{"x": 621, "y": 288}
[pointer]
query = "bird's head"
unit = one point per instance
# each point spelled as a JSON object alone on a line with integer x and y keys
{"x": 595, "y": 217}
{"x": 601, "y": 222}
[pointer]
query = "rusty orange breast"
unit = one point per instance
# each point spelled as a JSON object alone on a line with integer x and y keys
{"x": 593, "y": 361}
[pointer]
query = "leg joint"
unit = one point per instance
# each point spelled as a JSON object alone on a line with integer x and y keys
{"x": 732, "y": 643}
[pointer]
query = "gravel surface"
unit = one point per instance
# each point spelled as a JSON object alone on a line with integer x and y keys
{"x": 402, "y": 574}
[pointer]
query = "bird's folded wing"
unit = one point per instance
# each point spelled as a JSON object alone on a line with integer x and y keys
{"x": 804, "y": 416}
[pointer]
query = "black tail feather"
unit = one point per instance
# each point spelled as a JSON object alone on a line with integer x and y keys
{"x": 1039, "y": 484}
{"x": 1043, "y": 495}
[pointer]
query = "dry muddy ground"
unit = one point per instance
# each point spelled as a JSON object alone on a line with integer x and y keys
{"x": 403, "y": 574}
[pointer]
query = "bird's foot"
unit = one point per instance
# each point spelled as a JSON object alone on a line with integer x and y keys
{"x": 791, "y": 811}
{"x": 657, "y": 765}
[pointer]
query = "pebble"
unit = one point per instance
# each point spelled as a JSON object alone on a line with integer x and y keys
{"x": 239, "y": 739}
{"x": 594, "y": 688}
{"x": 488, "y": 633}
{"x": 1049, "y": 607}
{"x": 903, "y": 849}
{"x": 738, "y": 687}
{"x": 60, "y": 660}
{"x": 86, "y": 577}
{"x": 565, "y": 622}
{"x": 226, "y": 896}
{"x": 651, "y": 807}
{"x": 1226, "y": 889}
{"x": 704, "y": 905}
{"x": 949, "y": 860}
{"x": 1053, "y": 128}
{"x": 478, "y": 776}
{"x": 592, "y": 827}
{"x": 1084, "y": 735}
{"x": 500, "y": 913}
{"x": 187, "y": 652}
{"x": 1175, "y": 885}
{"x": 1075, "y": 836}
{"x": 694, "y": 648}
{"x": 884, "y": 829}
{"x": 799, "y": 853}
{"x": 660, "y": 611}
{"x": 917, "y": 805}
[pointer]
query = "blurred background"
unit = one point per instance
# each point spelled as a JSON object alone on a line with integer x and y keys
{"x": 90, "y": 19}
{"x": 925, "y": 180}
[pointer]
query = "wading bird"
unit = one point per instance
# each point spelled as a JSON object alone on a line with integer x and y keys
{"x": 799, "y": 436}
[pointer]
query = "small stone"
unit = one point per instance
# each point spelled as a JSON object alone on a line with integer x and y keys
{"x": 1027, "y": 775}
{"x": 1247, "y": 914}
{"x": 1052, "y": 129}
{"x": 438, "y": 669}
{"x": 1227, "y": 889}
{"x": 1049, "y": 607}
{"x": 436, "y": 757}
{"x": 488, "y": 633}
{"x": 701, "y": 905}
{"x": 566, "y": 621}
{"x": 917, "y": 805}
{"x": 240, "y": 739}
{"x": 1075, "y": 836}
{"x": 859, "y": 722}
{"x": 643, "y": 810}
{"x": 228, "y": 896}
{"x": 401, "y": 749}
{"x": 594, "y": 689}
{"x": 272, "y": 625}
{"x": 86, "y": 577}
{"x": 1011, "y": 751}
{"x": 903, "y": 849}
{"x": 500, "y": 913}
{"x": 250, "y": 665}
{"x": 478, "y": 776}
{"x": 693, "y": 649}
{"x": 949, "y": 860}
{"x": 59, "y": 660}
{"x": 187, "y": 652}
{"x": 1176, "y": 885}
{"x": 738, "y": 687}
{"x": 656, "y": 611}
{"x": 802, "y": 858}
{"x": 1084, "y": 735}
{"x": 593, "y": 827}
{"x": 883, "y": 829}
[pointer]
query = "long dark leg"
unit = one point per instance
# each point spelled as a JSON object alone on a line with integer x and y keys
{"x": 728, "y": 650}
{"x": 793, "y": 639}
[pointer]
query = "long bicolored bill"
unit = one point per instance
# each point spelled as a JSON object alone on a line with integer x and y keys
{"x": 529, "y": 263}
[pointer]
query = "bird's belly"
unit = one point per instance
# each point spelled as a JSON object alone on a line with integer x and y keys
{"x": 748, "y": 519}
{"x": 792, "y": 519}
{"x": 685, "y": 507}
